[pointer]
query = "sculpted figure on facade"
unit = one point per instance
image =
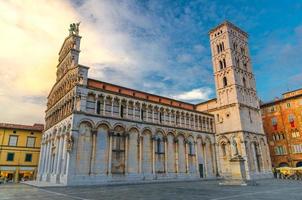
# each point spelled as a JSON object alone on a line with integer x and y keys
{"x": 69, "y": 143}
{"x": 74, "y": 28}
{"x": 235, "y": 147}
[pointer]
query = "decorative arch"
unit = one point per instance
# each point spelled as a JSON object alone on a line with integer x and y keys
{"x": 104, "y": 123}
{"x": 86, "y": 120}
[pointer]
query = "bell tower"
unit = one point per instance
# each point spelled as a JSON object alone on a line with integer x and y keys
{"x": 239, "y": 130}
{"x": 234, "y": 79}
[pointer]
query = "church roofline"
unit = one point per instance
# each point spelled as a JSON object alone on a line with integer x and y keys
{"x": 172, "y": 103}
{"x": 204, "y": 102}
{"x": 227, "y": 23}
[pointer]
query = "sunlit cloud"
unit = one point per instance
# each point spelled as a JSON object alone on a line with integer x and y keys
{"x": 195, "y": 95}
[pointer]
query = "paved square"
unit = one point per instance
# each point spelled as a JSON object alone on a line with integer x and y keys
{"x": 206, "y": 190}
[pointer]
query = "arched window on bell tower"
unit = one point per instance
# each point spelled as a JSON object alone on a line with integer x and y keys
{"x": 244, "y": 82}
{"x": 224, "y": 63}
{"x": 220, "y": 65}
{"x": 225, "y": 81}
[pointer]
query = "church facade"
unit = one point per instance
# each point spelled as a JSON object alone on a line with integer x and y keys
{"x": 97, "y": 132}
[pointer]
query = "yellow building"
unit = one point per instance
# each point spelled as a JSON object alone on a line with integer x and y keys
{"x": 19, "y": 151}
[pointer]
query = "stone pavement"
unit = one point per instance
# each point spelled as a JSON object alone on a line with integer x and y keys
{"x": 273, "y": 189}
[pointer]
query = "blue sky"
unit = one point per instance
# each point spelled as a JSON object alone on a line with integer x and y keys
{"x": 158, "y": 46}
{"x": 180, "y": 29}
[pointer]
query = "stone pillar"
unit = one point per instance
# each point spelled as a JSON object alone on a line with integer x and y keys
{"x": 186, "y": 156}
{"x": 95, "y": 104}
{"x": 110, "y": 153}
{"x": 63, "y": 156}
{"x": 93, "y": 152}
{"x": 127, "y": 109}
{"x": 166, "y": 154}
{"x": 147, "y": 113}
{"x": 112, "y": 103}
{"x": 120, "y": 107}
{"x": 49, "y": 157}
{"x": 176, "y": 155}
{"x": 214, "y": 158}
{"x": 153, "y": 156}
{"x": 126, "y": 153}
{"x": 140, "y": 153}
{"x": 196, "y": 158}
{"x": 46, "y": 156}
{"x": 153, "y": 114}
{"x": 56, "y": 156}
{"x": 104, "y": 106}
{"x": 59, "y": 157}
{"x": 205, "y": 159}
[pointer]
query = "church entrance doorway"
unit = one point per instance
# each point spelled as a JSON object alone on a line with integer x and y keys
{"x": 201, "y": 170}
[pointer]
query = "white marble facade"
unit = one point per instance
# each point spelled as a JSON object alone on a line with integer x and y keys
{"x": 98, "y": 144}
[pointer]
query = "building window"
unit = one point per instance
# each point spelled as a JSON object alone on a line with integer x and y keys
{"x": 250, "y": 116}
{"x": 280, "y": 150}
{"x": 30, "y": 142}
{"x": 220, "y": 65}
{"x": 295, "y": 134}
{"x": 244, "y": 82}
{"x": 288, "y": 105}
{"x": 274, "y": 123}
{"x": 242, "y": 50}
{"x": 98, "y": 107}
{"x": 122, "y": 111}
{"x": 225, "y": 81}
{"x": 191, "y": 150}
{"x": 224, "y": 63}
{"x": 291, "y": 120}
{"x": 158, "y": 149}
{"x": 160, "y": 117}
{"x": 13, "y": 140}
{"x": 297, "y": 148}
{"x": 10, "y": 156}
{"x": 223, "y": 147}
{"x": 28, "y": 157}
{"x": 272, "y": 109}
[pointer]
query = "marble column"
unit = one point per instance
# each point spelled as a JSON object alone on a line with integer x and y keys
{"x": 46, "y": 156}
{"x": 176, "y": 156}
{"x": 187, "y": 156}
{"x": 140, "y": 153}
{"x": 59, "y": 157}
{"x": 166, "y": 154}
{"x": 196, "y": 157}
{"x": 205, "y": 159}
{"x": 93, "y": 152}
{"x": 126, "y": 153}
{"x": 153, "y": 156}
{"x": 110, "y": 153}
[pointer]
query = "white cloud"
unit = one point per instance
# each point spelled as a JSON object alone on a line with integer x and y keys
{"x": 195, "y": 95}
{"x": 184, "y": 58}
{"x": 120, "y": 44}
{"x": 199, "y": 48}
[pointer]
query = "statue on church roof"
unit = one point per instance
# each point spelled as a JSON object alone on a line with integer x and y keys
{"x": 74, "y": 28}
